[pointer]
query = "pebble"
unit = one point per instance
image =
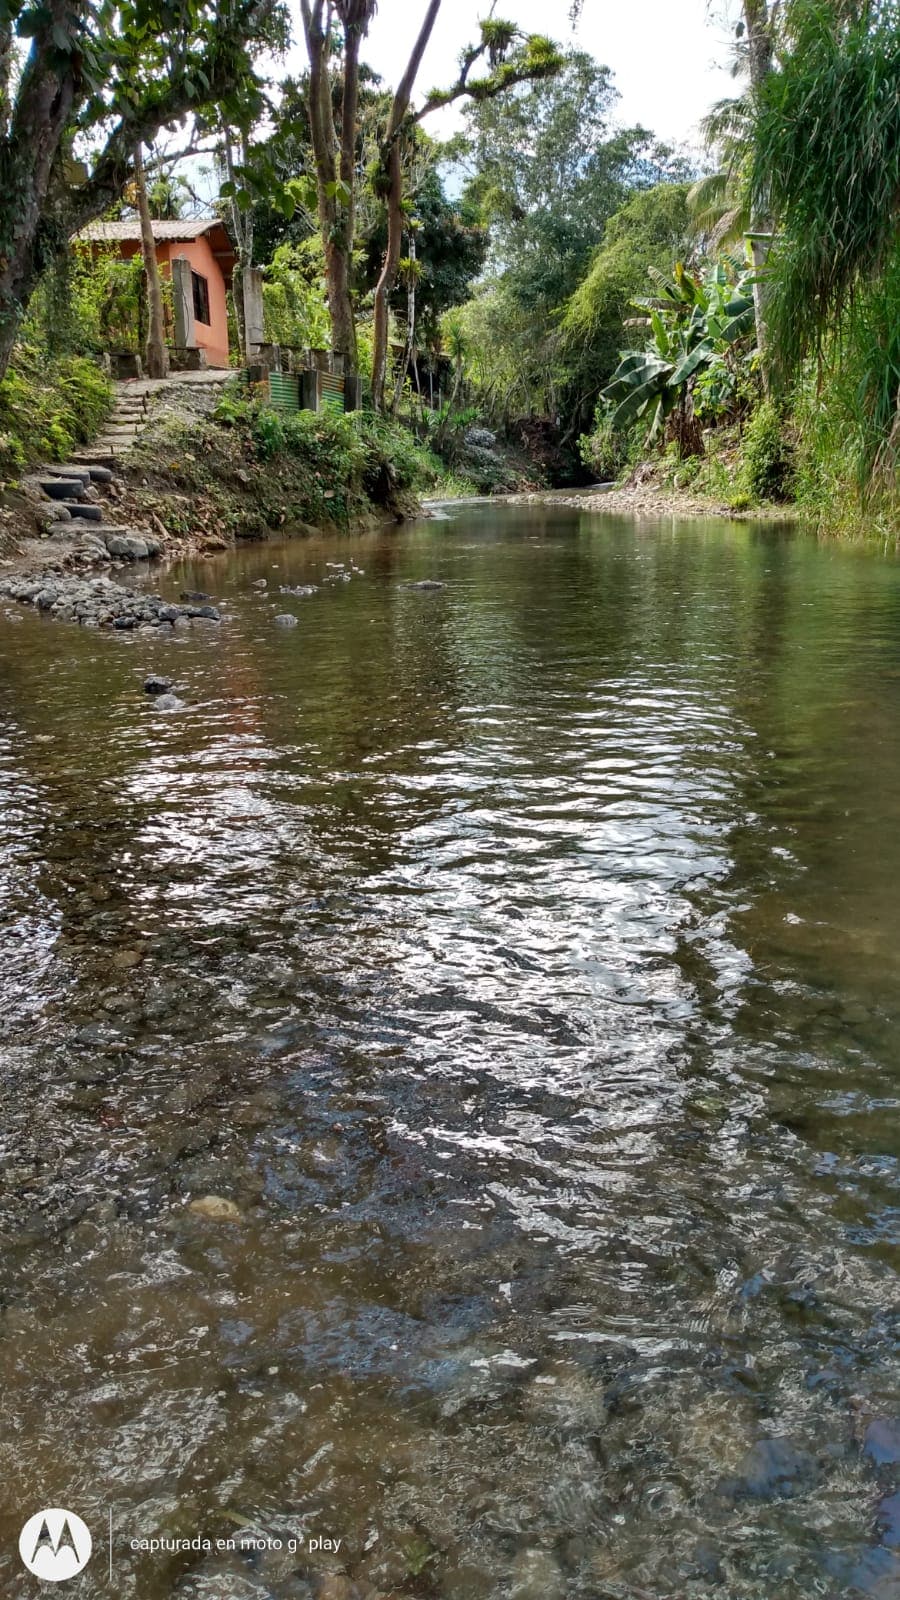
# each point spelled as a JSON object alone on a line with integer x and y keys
{"x": 216, "y": 1208}
{"x": 124, "y": 959}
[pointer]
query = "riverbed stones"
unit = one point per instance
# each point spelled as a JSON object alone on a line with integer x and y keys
{"x": 100, "y": 602}
{"x": 887, "y": 1521}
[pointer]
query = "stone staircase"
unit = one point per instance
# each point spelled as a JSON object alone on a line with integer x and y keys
{"x": 129, "y": 416}
{"x": 74, "y": 509}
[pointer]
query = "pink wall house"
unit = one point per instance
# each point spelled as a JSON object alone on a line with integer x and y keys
{"x": 205, "y": 244}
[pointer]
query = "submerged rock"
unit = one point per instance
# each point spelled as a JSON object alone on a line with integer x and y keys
{"x": 285, "y": 620}
{"x": 424, "y": 583}
{"x": 216, "y": 1208}
{"x": 155, "y": 684}
{"x": 774, "y": 1469}
{"x": 887, "y": 1521}
{"x": 168, "y": 702}
{"x": 536, "y": 1576}
{"x": 881, "y": 1443}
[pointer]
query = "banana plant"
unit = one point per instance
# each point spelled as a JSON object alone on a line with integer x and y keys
{"x": 694, "y": 321}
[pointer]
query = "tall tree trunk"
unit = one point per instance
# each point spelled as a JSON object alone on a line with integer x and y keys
{"x": 237, "y": 277}
{"x": 335, "y": 159}
{"x": 760, "y": 45}
{"x": 157, "y": 354}
{"x": 29, "y": 143}
{"x": 242, "y": 229}
{"x": 410, "y": 324}
{"x": 393, "y": 168}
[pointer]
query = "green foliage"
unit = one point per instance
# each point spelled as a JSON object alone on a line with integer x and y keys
{"x": 294, "y": 304}
{"x": 47, "y": 407}
{"x": 826, "y": 165}
{"x": 549, "y": 171}
{"x": 451, "y": 244}
{"x": 348, "y": 461}
{"x": 607, "y": 451}
{"x": 89, "y": 301}
{"x": 700, "y": 325}
{"x": 766, "y": 455}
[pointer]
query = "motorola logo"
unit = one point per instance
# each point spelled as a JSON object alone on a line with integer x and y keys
{"x": 55, "y": 1545}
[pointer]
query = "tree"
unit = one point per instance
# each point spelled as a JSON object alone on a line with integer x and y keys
{"x": 511, "y": 58}
{"x": 110, "y": 78}
{"x": 651, "y": 229}
{"x": 696, "y": 322}
{"x": 241, "y": 219}
{"x": 451, "y": 243}
{"x": 334, "y": 146}
{"x": 157, "y": 356}
{"x": 548, "y": 170}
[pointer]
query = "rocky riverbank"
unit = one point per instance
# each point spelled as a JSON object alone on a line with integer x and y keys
{"x": 646, "y": 501}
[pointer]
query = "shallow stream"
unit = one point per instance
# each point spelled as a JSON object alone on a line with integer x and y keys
{"x": 520, "y": 958}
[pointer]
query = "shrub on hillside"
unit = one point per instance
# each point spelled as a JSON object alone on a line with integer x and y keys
{"x": 48, "y": 407}
{"x": 767, "y": 465}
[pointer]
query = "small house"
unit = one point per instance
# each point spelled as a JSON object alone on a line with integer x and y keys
{"x": 198, "y": 256}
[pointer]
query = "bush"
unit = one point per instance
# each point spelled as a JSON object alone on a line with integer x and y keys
{"x": 349, "y": 460}
{"x": 607, "y": 451}
{"x": 767, "y": 465}
{"x": 47, "y": 408}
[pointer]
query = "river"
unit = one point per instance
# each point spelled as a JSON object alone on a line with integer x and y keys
{"x": 519, "y": 958}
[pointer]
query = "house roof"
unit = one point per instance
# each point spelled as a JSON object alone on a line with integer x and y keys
{"x": 130, "y": 229}
{"x": 129, "y": 232}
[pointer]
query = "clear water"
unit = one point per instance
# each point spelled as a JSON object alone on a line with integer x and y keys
{"x": 521, "y": 958}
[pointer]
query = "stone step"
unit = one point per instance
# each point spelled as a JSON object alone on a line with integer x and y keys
{"x": 84, "y": 509}
{"x": 115, "y": 430}
{"x": 100, "y": 474}
{"x": 67, "y": 471}
{"x": 98, "y": 457}
{"x": 63, "y": 488}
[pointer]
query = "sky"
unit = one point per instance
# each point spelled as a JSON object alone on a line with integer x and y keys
{"x": 668, "y": 57}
